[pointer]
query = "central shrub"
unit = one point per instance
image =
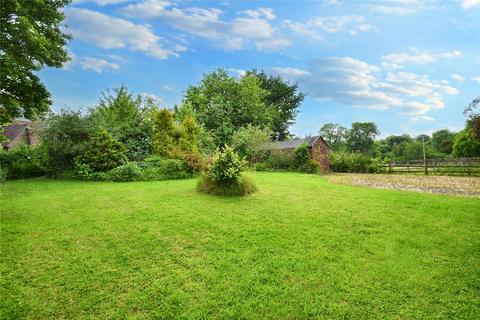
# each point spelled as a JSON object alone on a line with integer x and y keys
{"x": 224, "y": 175}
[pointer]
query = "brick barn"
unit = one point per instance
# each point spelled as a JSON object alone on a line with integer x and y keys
{"x": 317, "y": 147}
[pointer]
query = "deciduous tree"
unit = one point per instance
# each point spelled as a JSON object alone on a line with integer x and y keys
{"x": 30, "y": 38}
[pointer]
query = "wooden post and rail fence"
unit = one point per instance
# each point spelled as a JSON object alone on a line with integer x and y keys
{"x": 456, "y": 166}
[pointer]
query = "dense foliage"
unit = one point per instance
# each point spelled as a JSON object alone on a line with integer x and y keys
{"x": 224, "y": 104}
{"x": 472, "y": 112}
{"x": 127, "y": 118}
{"x": 249, "y": 140}
{"x": 23, "y": 162}
{"x": 282, "y": 160}
{"x": 343, "y": 161}
{"x": 335, "y": 135}
{"x": 31, "y": 37}
{"x": 102, "y": 153}
{"x": 466, "y": 144}
{"x": 65, "y": 135}
{"x": 164, "y": 133}
{"x": 361, "y": 137}
{"x": 225, "y": 166}
{"x": 223, "y": 175}
{"x": 285, "y": 98}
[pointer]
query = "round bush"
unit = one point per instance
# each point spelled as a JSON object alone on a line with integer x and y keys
{"x": 242, "y": 186}
{"x": 128, "y": 172}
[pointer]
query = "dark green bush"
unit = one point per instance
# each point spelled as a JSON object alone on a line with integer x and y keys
{"x": 84, "y": 172}
{"x": 299, "y": 160}
{"x": 24, "y": 162}
{"x": 127, "y": 172}
{"x": 3, "y": 174}
{"x": 303, "y": 162}
{"x": 352, "y": 162}
{"x": 279, "y": 160}
{"x": 102, "y": 153}
{"x": 166, "y": 169}
{"x": 65, "y": 135}
{"x": 242, "y": 186}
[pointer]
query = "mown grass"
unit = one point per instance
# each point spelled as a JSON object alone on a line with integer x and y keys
{"x": 300, "y": 248}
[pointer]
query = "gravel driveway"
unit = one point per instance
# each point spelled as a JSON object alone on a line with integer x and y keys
{"x": 462, "y": 186}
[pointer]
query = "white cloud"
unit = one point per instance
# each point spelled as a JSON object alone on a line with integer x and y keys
{"x": 253, "y": 29}
{"x": 395, "y": 61}
{"x": 354, "y": 82}
{"x": 423, "y": 118}
{"x": 291, "y": 72}
{"x": 108, "y": 32}
{"x": 266, "y": 13}
{"x": 101, "y": 3}
{"x": 402, "y": 7}
{"x": 477, "y": 79}
{"x": 98, "y": 65}
{"x": 315, "y": 28}
{"x": 457, "y": 77}
{"x": 468, "y": 4}
{"x": 394, "y": 10}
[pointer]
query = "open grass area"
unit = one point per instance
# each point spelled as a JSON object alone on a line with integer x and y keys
{"x": 300, "y": 248}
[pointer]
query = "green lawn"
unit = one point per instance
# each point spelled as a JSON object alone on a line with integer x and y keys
{"x": 300, "y": 248}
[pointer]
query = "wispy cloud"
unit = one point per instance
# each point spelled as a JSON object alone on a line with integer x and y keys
{"x": 354, "y": 82}
{"x": 457, "y": 77}
{"x": 402, "y": 7}
{"x": 101, "y": 3}
{"x": 253, "y": 28}
{"x": 395, "y": 61}
{"x": 98, "y": 65}
{"x": 316, "y": 28}
{"x": 468, "y": 4}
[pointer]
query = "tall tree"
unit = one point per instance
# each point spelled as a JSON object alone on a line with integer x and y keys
{"x": 442, "y": 140}
{"x": 360, "y": 138}
{"x": 31, "y": 38}
{"x": 164, "y": 132}
{"x": 224, "y": 104}
{"x": 128, "y": 118}
{"x": 472, "y": 111}
{"x": 334, "y": 134}
{"x": 284, "y": 97}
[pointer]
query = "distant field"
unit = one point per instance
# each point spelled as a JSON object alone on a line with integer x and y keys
{"x": 300, "y": 248}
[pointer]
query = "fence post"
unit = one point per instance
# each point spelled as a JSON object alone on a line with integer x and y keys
{"x": 389, "y": 167}
{"x": 469, "y": 166}
{"x": 426, "y": 167}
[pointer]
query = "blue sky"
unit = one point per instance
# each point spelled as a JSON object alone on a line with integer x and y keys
{"x": 409, "y": 65}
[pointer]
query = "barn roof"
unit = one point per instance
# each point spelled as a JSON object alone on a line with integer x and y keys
{"x": 292, "y": 144}
{"x": 14, "y": 130}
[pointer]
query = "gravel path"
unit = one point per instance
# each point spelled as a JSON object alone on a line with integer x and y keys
{"x": 462, "y": 186}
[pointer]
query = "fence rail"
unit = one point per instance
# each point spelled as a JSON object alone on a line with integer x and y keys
{"x": 460, "y": 166}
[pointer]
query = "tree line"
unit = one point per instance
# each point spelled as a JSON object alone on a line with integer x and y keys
{"x": 361, "y": 138}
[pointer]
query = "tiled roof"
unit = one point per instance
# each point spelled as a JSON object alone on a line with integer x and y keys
{"x": 11, "y": 132}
